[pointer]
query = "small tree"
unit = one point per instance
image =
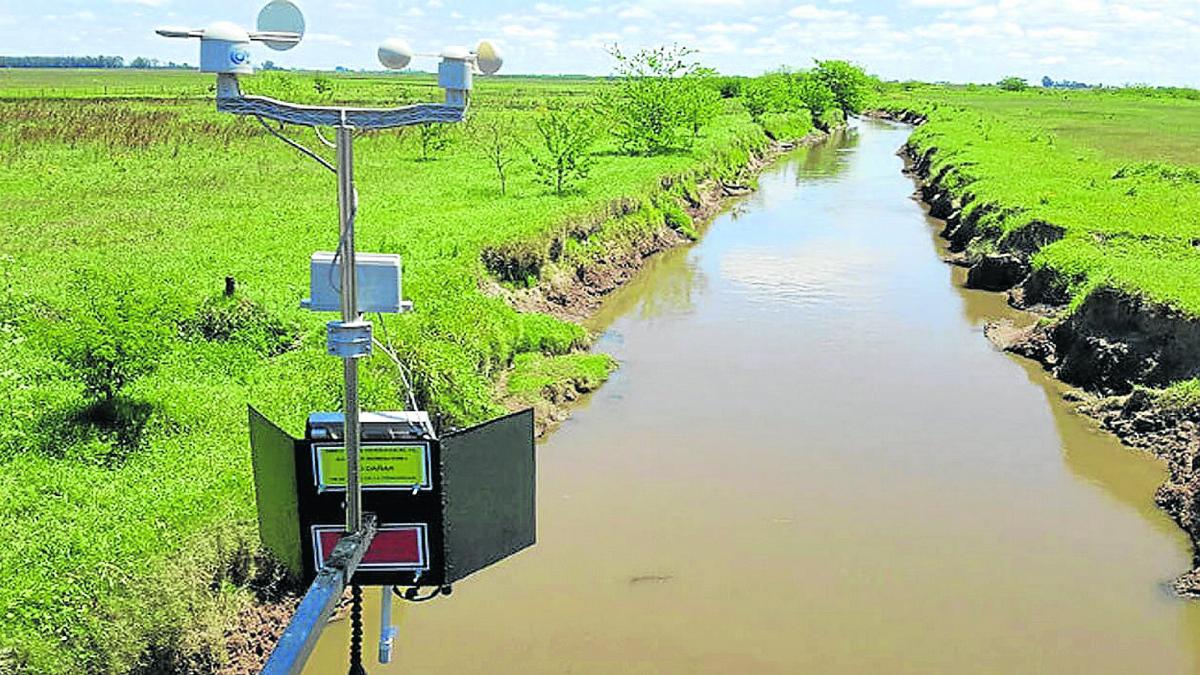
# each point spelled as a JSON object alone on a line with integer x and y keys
{"x": 495, "y": 136}
{"x": 565, "y": 137}
{"x": 1013, "y": 83}
{"x": 701, "y": 99}
{"x": 434, "y": 138}
{"x": 648, "y": 107}
{"x": 279, "y": 84}
{"x": 851, "y": 86}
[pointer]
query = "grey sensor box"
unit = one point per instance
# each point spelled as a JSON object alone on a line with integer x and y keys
{"x": 378, "y": 283}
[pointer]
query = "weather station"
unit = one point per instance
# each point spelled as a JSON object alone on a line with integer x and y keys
{"x": 370, "y": 498}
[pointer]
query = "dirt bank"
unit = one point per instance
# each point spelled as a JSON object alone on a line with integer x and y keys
{"x": 1117, "y": 348}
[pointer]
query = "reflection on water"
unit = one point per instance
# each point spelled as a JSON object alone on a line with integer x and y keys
{"x": 812, "y": 461}
{"x": 666, "y": 287}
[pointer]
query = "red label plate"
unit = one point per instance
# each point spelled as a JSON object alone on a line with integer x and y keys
{"x": 395, "y": 547}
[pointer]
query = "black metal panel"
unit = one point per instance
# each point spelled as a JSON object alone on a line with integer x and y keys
{"x": 273, "y": 458}
{"x": 488, "y": 485}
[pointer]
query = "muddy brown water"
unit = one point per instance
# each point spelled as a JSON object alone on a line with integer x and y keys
{"x": 812, "y": 461}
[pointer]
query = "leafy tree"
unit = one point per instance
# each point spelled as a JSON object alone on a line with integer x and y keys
{"x": 814, "y": 92}
{"x": 565, "y": 137}
{"x": 701, "y": 99}
{"x": 768, "y": 94}
{"x": 851, "y": 86}
{"x": 496, "y": 138}
{"x": 1013, "y": 83}
{"x": 114, "y": 335}
{"x": 648, "y": 107}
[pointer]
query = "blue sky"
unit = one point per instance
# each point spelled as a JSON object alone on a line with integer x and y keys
{"x": 1109, "y": 41}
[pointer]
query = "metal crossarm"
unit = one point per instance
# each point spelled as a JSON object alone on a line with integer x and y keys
{"x": 231, "y": 100}
{"x": 298, "y": 641}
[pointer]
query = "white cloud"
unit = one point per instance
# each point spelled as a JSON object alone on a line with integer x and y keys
{"x": 557, "y": 11}
{"x": 729, "y": 28}
{"x": 814, "y": 13}
{"x": 521, "y": 31}
{"x": 635, "y": 12}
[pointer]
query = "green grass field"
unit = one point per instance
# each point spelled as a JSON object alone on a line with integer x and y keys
{"x": 1117, "y": 170}
{"x": 136, "y": 539}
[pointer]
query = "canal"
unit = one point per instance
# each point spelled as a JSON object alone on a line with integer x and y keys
{"x": 811, "y": 460}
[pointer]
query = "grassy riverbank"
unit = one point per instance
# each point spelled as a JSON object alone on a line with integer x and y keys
{"x": 131, "y": 518}
{"x": 1116, "y": 171}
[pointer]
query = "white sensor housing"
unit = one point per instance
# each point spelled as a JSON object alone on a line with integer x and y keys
{"x": 224, "y": 49}
{"x": 378, "y": 289}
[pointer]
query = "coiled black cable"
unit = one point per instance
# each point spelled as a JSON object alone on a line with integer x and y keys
{"x": 356, "y": 631}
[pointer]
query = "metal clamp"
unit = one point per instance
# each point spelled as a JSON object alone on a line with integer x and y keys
{"x": 348, "y": 339}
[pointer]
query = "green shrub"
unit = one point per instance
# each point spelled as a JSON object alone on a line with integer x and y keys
{"x": 223, "y": 319}
{"x": 788, "y": 125}
{"x": 813, "y": 92}
{"x": 831, "y": 118}
{"x": 768, "y": 94}
{"x": 1013, "y": 83}
{"x": 728, "y": 87}
{"x": 701, "y": 101}
{"x": 117, "y": 334}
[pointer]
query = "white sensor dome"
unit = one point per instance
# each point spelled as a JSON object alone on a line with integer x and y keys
{"x": 395, "y": 54}
{"x": 488, "y": 58}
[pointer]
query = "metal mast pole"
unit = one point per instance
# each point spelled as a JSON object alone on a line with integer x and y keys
{"x": 347, "y": 208}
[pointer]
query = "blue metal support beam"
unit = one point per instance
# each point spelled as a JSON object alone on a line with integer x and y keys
{"x": 298, "y": 641}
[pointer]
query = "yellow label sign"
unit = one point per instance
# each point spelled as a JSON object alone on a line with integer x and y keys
{"x": 381, "y": 466}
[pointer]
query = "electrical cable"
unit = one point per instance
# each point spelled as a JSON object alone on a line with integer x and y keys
{"x": 410, "y": 595}
{"x": 321, "y": 137}
{"x": 356, "y": 631}
{"x": 387, "y": 348}
{"x": 320, "y": 160}
{"x": 410, "y": 392}
{"x": 336, "y": 284}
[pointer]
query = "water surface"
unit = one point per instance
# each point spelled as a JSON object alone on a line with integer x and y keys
{"x": 811, "y": 460}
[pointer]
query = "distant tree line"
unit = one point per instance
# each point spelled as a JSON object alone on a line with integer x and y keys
{"x": 62, "y": 62}
{"x": 84, "y": 62}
